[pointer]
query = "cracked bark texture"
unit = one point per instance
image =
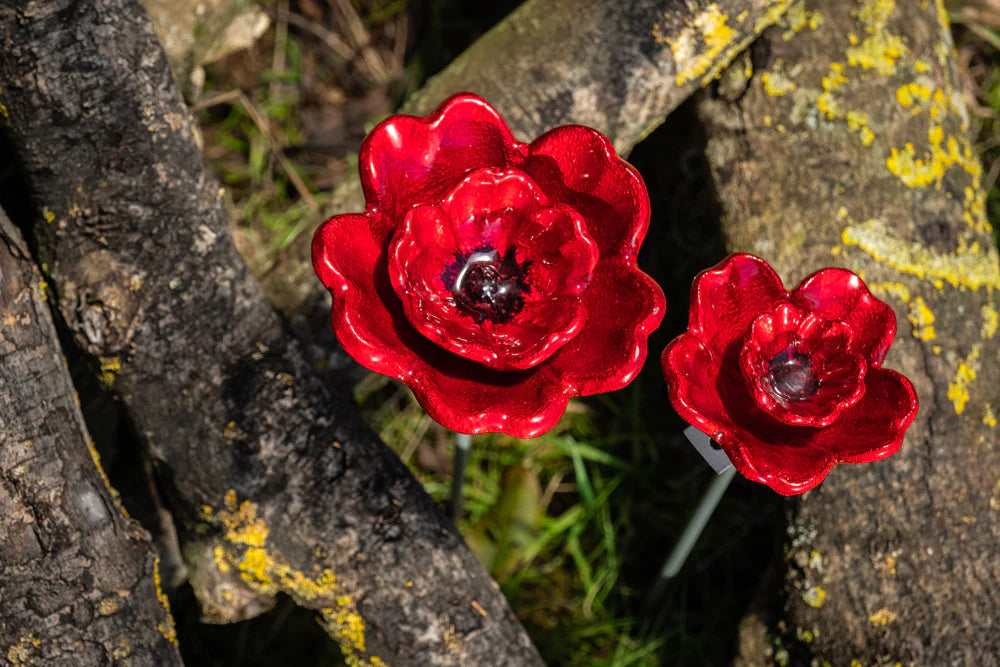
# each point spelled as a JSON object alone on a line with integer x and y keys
{"x": 619, "y": 67}
{"x": 77, "y": 578}
{"x": 849, "y": 145}
{"x": 277, "y": 485}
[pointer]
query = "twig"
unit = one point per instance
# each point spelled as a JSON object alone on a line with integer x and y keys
{"x": 328, "y": 37}
{"x": 356, "y": 28}
{"x": 280, "y": 46}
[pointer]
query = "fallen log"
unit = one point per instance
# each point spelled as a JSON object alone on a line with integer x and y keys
{"x": 850, "y": 145}
{"x": 277, "y": 486}
{"x": 79, "y": 583}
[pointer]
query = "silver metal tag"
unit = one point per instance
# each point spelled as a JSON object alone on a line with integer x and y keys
{"x": 714, "y": 455}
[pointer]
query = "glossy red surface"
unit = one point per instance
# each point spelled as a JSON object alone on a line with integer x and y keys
{"x": 491, "y": 215}
{"x": 789, "y": 383}
{"x": 496, "y": 279}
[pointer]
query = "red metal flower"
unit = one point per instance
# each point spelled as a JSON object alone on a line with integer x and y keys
{"x": 497, "y": 279}
{"x": 789, "y": 383}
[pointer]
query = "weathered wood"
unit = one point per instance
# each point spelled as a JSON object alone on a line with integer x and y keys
{"x": 850, "y": 146}
{"x": 78, "y": 579}
{"x": 277, "y": 485}
{"x": 619, "y": 67}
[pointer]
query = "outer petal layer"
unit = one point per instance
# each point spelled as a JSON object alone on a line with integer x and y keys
{"x": 409, "y": 160}
{"x": 727, "y": 298}
{"x": 873, "y": 429}
{"x": 623, "y": 307}
{"x": 578, "y": 166}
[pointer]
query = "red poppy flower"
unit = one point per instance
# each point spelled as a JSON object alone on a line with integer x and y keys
{"x": 789, "y": 383}
{"x": 497, "y": 279}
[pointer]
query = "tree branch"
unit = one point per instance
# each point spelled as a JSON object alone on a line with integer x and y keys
{"x": 277, "y": 484}
{"x": 78, "y": 580}
{"x": 850, "y": 145}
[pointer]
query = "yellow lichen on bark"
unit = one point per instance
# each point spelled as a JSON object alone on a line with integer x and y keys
{"x": 991, "y": 321}
{"x": 797, "y": 18}
{"x": 703, "y": 48}
{"x": 696, "y": 48}
{"x": 267, "y": 571}
{"x": 344, "y": 623}
{"x": 883, "y": 617}
{"x": 776, "y": 83}
{"x": 958, "y": 389}
{"x": 880, "y": 49}
{"x": 95, "y": 456}
{"x": 22, "y": 652}
{"x": 110, "y": 367}
{"x": 969, "y": 267}
{"x": 261, "y": 569}
{"x": 814, "y": 596}
{"x": 167, "y": 628}
{"x": 241, "y": 521}
{"x": 922, "y": 319}
{"x": 989, "y": 417}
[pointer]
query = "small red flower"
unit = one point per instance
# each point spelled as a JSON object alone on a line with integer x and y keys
{"x": 496, "y": 279}
{"x": 789, "y": 383}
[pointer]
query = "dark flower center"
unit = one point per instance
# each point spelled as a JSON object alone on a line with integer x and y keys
{"x": 790, "y": 376}
{"x": 486, "y": 285}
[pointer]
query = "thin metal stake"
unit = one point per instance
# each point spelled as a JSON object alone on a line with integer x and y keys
{"x": 463, "y": 443}
{"x": 691, "y": 533}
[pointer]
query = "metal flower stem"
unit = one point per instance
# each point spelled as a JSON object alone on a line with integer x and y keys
{"x": 463, "y": 442}
{"x": 691, "y": 533}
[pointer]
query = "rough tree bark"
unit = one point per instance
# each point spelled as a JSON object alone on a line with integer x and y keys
{"x": 277, "y": 485}
{"x": 78, "y": 579}
{"x": 850, "y": 145}
{"x": 619, "y": 67}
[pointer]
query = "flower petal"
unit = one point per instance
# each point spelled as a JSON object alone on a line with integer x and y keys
{"x": 411, "y": 160}
{"x": 716, "y": 401}
{"x": 366, "y": 314}
{"x": 873, "y": 429}
{"x": 371, "y": 326}
{"x": 838, "y": 294}
{"x": 578, "y": 166}
{"x": 727, "y": 298}
{"x": 469, "y": 398}
{"x": 623, "y": 307}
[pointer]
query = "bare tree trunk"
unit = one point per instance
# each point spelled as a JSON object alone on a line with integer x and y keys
{"x": 78, "y": 579}
{"x": 277, "y": 484}
{"x": 850, "y": 145}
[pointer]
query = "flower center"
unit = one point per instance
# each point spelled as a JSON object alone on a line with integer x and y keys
{"x": 486, "y": 285}
{"x": 790, "y": 376}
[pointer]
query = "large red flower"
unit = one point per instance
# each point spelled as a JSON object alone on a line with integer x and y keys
{"x": 789, "y": 383}
{"x": 497, "y": 279}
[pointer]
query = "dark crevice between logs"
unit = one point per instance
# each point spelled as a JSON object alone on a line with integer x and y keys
{"x": 730, "y": 567}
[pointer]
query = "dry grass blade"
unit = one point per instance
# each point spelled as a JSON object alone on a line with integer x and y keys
{"x": 355, "y": 27}
{"x": 273, "y": 144}
{"x": 331, "y": 39}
